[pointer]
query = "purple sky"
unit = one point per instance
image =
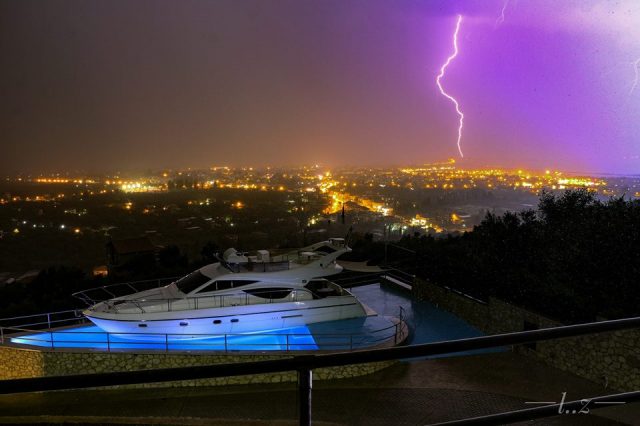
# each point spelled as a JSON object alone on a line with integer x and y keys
{"x": 104, "y": 85}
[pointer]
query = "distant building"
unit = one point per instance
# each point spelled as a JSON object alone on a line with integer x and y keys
{"x": 101, "y": 270}
{"x": 6, "y": 278}
{"x": 128, "y": 253}
{"x": 186, "y": 222}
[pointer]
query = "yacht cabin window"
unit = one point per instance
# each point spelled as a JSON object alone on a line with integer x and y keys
{"x": 270, "y": 293}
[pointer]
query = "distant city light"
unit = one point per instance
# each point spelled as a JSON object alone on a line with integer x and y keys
{"x": 365, "y": 194}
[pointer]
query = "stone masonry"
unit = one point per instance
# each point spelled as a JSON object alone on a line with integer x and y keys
{"x": 611, "y": 359}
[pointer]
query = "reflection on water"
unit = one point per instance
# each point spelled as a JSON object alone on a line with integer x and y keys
{"x": 427, "y": 322}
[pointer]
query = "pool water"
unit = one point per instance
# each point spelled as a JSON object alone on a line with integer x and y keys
{"x": 427, "y": 324}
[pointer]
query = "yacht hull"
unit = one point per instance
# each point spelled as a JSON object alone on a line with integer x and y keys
{"x": 206, "y": 323}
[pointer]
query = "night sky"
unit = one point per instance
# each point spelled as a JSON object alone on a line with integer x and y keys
{"x": 132, "y": 85}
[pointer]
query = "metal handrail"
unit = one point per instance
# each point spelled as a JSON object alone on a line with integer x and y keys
{"x": 48, "y": 323}
{"x": 403, "y": 276}
{"x": 203, "y": 335}
{"x": 35, "y": 315}
{"x": 45, "y": 319}
{"x": 226, "y": 346}
{"x": 194, "y": 339}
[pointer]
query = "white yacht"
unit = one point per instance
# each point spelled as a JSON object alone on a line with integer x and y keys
{"x": 239, "y": 294}
{"x": 224, "y": 307}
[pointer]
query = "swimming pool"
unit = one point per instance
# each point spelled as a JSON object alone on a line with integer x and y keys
{"x": 428, "y": 323}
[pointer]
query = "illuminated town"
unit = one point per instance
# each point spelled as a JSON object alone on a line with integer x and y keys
{"x": 434, "y": 198}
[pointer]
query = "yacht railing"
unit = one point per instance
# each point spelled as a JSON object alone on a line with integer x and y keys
{"x": 279, "y": 262}
{"x": 271, "y": 266}
{"x": 144, "y": 305}
{"x": 99, "y": 294}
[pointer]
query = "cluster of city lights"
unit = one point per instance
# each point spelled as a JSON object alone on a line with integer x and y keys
{"x": 375, "y": 190}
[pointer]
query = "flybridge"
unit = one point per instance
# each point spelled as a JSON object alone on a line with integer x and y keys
{"x": 305, "y": 255}
{"x": 305, "y": 263}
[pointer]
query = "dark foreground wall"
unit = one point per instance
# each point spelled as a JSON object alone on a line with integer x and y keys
{"x": 612, "y": 358}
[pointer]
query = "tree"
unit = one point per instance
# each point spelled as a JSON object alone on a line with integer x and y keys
{"x": 575, "y": 258}
{"x": 170, "y": 257}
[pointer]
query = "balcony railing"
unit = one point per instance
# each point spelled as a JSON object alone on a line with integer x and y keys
{"x": 305, "y": 365}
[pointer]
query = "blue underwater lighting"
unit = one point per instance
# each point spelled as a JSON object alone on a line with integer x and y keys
{"x": 331, "y": 335}
{"x": 347, "y": 334}
{"x": 92, "y": 337}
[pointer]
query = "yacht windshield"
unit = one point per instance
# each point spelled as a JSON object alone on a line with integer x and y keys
{"x": 191, "y": 282}
{"x": 326, "y": 249}
{"x": 225, "y": 285}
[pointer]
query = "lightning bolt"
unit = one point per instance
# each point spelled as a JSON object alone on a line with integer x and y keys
{"x": 636, "y": 65}
{"x": 500, "y": 19}
{"x": 445, "y": 94}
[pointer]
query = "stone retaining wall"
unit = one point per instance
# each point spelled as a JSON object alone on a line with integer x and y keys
{"x": 21, "y": 363}
{"x": 611, "y": 358}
